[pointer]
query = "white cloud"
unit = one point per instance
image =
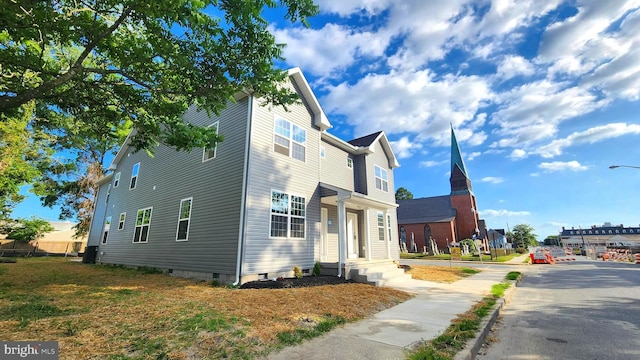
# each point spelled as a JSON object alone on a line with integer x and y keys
{"x": 346, "y": 8}
{"x": 416, "y": 101}
{"x": 589, "y": 136}
{"x": 561, "y": 166}
{"x": 404, "y": 148}
{"x": 489, "y": 213}
{"x": 472, "y": 156}
{"x": 492, "y": 180}
{"x": 512, "y": 66}
{"x": 431, "y": 163}
{"x": 518, "y": 154}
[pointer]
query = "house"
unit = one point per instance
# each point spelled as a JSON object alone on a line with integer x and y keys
{"x": 444, "y": 219}
{"x": 278, "y": 192}
{"x": 606, "y": 235}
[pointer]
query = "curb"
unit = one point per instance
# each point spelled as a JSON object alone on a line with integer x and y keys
{"x": 472, "y": 346}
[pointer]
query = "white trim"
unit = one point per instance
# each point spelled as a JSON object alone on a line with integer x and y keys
{"x": 134, "y": 176}
{"x": 288, "y": 215}
{"x": 122, "y": 221}
{"x": 245, "y": 179}
{"x": 380, "y": 214}
{"x": 188, "y": 219}
{"x": 349, "y": 162}
{"x": 323, "y": 152}
{"x": 116, "y": 179}
{"x": 382, "y": 180}
{"x": 142, "y": 226}
{"x": 289, "y": 138}
{"x": 215, "y": 148}
{"x": 324, "y": 234}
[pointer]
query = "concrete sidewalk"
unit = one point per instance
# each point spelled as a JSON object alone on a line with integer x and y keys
{"x": 388, "y": 334}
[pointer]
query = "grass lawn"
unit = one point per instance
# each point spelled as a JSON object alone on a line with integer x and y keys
{"x": 485, "y": 257}
{"x": 106, "y": 312}
{"x": 444, "y": 274}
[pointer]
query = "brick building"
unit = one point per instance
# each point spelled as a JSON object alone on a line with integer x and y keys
{"x": 447, "y": 218}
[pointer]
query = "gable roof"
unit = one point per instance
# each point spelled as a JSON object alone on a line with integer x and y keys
{"x": 426, "y": 210}
{"x": 366, "y": 140}
{"x": 366, "y": 143}
{"x": 320, "y": 118}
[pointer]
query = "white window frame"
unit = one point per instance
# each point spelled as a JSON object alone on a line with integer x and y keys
{"x": 121, "y": 220}
{"x": 106, "y": 199}
{"x": 116, "y": 180}
{"x": 105, "y": 230}
{"x": 187, "y": 219}
{"x": 384, "y": 178}
{"x": 389, "y": 225}
{"x": 141, "y": 226}
{"x": 288, "y": 215}
{"x": 215, "y": 148}
{"x": 134, "y": 176}
{"x": 289, "y": 138}
{"x": 349, "y": 162}
{"x": 322, "y": 152}
{"x": 381, "y": 229}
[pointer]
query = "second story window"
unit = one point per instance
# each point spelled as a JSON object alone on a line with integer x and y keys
{"x": 289, "y": 139}
{"x": 350, "y": 163}
{"x": 381, "y": 179}
{"x": 116, "y": 180}
{"x": 134, "y": 175}
{"x": 210, "y": 153}
{"x": 184, "y": 216}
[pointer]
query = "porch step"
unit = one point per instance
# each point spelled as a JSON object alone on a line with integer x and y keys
{"x": 378, "y": 274}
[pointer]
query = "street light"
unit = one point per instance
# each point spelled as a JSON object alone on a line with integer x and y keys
{"x": 629, "y": 166}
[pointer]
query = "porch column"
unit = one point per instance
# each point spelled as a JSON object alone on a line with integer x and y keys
{"x": 388, "y": 232}
{"x": 367, "y": 234}
{"x": 342, "y": 235}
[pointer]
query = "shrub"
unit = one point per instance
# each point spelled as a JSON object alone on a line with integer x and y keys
{"x": 316, "y": 269}
{"x": 521, "y": 250}
{"x": 297, "y": 272}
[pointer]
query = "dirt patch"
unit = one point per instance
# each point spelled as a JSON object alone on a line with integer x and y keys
{"x": 305, "y": 281}
{"x": 444, "y": 274}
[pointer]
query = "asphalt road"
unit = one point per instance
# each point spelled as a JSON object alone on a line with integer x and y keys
{"x": 578, "y": 310}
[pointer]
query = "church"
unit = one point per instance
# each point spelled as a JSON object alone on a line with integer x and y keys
{"x": 445, "y": 219}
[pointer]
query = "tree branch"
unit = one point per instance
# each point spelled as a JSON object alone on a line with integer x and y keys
{"x": 9, "y": 102}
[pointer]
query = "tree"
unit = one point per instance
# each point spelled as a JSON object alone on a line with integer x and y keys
{"x": 26, "y": 230}
{"x": 522, "y": 236}
{"x": 23, "y": 151}
{"x": 551, "y": 240}
{"x": 403, "y": 194}
{"x": 146, "y": 60}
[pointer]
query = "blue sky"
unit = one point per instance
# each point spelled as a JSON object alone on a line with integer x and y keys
{"x": 544, "y": 97}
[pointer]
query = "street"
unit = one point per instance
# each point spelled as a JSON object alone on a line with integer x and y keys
{"x": 578, "y": 310}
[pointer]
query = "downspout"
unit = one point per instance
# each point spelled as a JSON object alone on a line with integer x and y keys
{"x": 245, "y": 180}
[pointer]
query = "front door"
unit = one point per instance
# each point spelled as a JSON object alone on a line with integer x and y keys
{"x": 352, "y": 236}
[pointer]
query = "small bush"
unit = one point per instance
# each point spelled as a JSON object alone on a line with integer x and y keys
{"x": 521, "y": 250}
{"x": 316, "y": 269}
{"x": 297, "y": 272}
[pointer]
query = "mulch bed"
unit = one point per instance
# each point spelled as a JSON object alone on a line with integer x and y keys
{"x": 305, "y": 281}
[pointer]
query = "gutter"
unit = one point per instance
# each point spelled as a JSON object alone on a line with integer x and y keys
{"x": 245, "y": 180}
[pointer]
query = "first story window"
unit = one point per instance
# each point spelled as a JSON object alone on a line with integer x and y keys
{"x": 143, "y": 224}
{"x": 287, "y": 215}
{"x": 380, "y": 226}
{"x": 381, "y": 179}
{"x": 123, "y": 217}
{"x": 389, "y": 225}
{"x": 105, "y": 232}
{"x": 184, "y": 216}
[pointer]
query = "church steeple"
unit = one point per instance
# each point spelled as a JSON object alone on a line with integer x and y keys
{"x": 460, "y": 182}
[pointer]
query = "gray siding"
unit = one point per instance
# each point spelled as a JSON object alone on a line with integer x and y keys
{"x": 379, "y": 157}
{"x": 271, "y": 170}
{"x": 360, "y": 173}
{"x": 334, "y": 170}
{"x": 163, "y": 181}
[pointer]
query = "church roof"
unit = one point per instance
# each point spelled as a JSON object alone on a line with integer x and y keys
{"x": 426, "y": 210}
{"x": 456, "y": 156}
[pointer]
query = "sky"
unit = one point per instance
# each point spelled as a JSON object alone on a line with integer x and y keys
{"x": 543, "y": 96}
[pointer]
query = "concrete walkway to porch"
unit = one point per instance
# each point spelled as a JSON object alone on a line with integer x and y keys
{"x": 388, "y": 334}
